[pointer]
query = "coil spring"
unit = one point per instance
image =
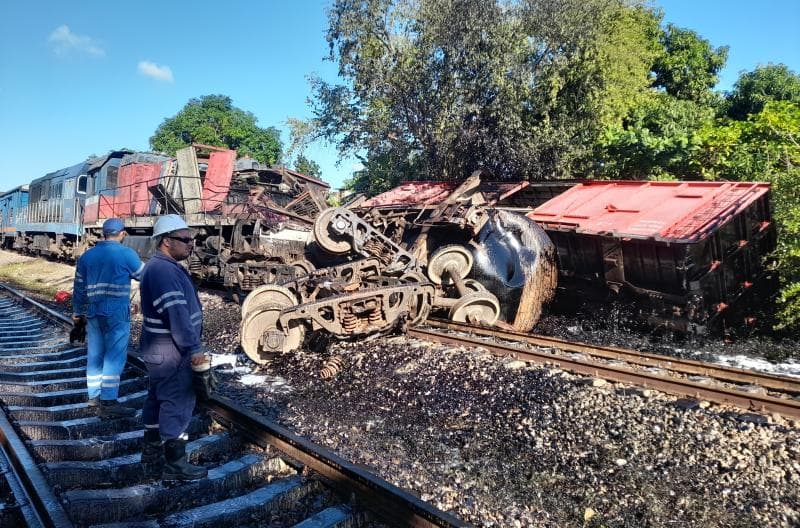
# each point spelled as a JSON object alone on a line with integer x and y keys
{"x": 331, "y": 367}
{"x": 349, "y": 321}
{"x": 375, "y": 316}
{"x": 376, "y": 248}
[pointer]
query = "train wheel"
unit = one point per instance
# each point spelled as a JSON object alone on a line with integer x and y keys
{"x": 474, "y": 286}
{"x": 479, "y": 307}
{"x": 302, "y": 267}
{"x": 449, "y": 259}
{"x": 325, "y": 240}
{"x": 261, "y": 336}
{"x": 421, "y": 304}
{"x": 267, "y": 293}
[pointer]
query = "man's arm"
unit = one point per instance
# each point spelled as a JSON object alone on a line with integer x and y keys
{"x": 171, "y": 304}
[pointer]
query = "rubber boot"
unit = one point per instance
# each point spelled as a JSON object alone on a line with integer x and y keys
{"x": 113, "y": 409}
{"x": 177, "y": 467}
{"x": 152, "y": 454}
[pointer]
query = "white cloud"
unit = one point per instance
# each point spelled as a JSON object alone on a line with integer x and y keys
{"x": 65, "y": 41}
{"x": 159, "y": 73}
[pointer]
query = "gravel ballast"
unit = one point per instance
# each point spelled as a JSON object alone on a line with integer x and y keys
{"x": 505, "y": 443}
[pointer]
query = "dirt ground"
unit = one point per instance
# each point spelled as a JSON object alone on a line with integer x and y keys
{"x": 35, "y": 274}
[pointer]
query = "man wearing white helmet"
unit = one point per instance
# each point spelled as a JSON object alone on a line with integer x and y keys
{"x": 171, "y": 349}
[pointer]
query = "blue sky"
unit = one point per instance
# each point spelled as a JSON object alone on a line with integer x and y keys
{"x": 80, "y": 78}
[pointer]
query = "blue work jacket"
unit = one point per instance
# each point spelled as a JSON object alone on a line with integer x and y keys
{"x": 103, "y": 280}
{"x": 170, "y": 306}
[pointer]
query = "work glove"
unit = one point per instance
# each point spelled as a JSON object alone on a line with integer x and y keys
{"x": 78, "y": 332}
{"x": 203, "y": 378}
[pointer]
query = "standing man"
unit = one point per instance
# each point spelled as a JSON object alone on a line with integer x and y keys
{"x": 101, "y": 301}
{"x": 170, "y": 343}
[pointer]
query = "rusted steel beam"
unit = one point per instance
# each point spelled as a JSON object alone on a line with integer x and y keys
{"x": 686, "y": 366}
{"x": 754, "y": 402}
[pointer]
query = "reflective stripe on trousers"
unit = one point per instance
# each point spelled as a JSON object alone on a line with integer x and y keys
{"x": 107, "y": 351}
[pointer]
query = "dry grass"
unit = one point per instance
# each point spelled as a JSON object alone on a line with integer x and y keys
{"x": 36, "y": 275}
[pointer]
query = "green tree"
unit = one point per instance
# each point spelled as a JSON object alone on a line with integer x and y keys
{"x": 689, "y": 66}
{"x": 213, "y": 120}
{"x": 439, "y": 88}
{"x": 307, "y": 166}
{"x": 765, "y": 147}
{"x": 774, "y": 82}
{"x": 655, "y": 140}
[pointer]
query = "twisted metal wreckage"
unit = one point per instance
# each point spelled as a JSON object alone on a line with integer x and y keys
{"x": 394, "y": 266}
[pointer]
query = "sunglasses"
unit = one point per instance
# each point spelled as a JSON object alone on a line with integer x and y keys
{"x": 185, "y": 240}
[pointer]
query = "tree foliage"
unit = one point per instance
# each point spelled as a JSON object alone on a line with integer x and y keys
{"x": 536, "y": 89}
{"x": 774, "y": 82}
{"x": 439, "y": 88}
{"x": 213, "y": 120}
{"x": 765, "y": 147}
{"x": 689, "y": 66}
{"x": 307, "y": 166}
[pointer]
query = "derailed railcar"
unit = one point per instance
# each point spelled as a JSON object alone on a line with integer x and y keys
{"x": 686, "y": 251}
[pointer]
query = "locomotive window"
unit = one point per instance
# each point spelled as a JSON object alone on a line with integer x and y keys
{"x": 82, "y": 183}
{"x": 111, "y": 176}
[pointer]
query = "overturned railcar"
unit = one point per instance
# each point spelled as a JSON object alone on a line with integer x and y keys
{"x": 686, "y": 251}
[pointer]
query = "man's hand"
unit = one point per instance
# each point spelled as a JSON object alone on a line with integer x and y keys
{"x": 78, "y": 332}
{"x": 203, "y": 379}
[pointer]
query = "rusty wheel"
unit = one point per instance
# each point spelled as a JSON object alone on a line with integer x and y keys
{"x": 449, "y": 259}
{"x": 422, "y": 302}
{"x": 331, "y": 243}
{"x": 267, "y": 293}
{"x": 302, "y": 267}
{"x": 479, "y": 307}
{"x": 474, "y": 286}
{"x": 261, "y": 336}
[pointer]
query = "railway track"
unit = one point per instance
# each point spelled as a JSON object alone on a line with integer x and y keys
{"x": 65, "y": 467}
{"x": 749, "y": 390}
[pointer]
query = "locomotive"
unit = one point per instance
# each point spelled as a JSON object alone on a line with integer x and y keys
{"x": 251, "y": 221}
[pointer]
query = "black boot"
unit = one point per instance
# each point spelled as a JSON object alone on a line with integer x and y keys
{"x": 152, "y": 454}
{"x": 177, "y": 468}
{"x": 113, "y": 409}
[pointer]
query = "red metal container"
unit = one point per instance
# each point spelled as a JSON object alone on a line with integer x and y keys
{"x": 689, "y": 250}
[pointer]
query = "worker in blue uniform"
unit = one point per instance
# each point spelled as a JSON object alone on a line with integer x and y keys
{"x": 101, "y": 302}
{"x": 171, "y": 349}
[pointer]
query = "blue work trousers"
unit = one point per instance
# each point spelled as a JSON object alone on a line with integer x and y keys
{"x": 107, "y": 351}
{"x": 170, "y": 397}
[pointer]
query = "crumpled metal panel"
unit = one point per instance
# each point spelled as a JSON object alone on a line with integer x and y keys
{"x": 217, "y": 180}
{"x": 670, "y": 211}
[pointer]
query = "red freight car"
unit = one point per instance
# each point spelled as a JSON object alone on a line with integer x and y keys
{"x": 686, "y": 250}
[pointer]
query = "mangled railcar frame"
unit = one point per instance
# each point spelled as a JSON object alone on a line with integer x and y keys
{"x": 400, "y": 270}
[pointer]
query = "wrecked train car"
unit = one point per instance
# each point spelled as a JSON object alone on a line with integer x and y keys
{"x": 251, "y": 221}
{"x": 427, "y": 248}
{"x": 685, "y": 251}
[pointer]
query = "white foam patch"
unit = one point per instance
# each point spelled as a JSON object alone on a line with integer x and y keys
{"x": 223, "y": 359}
{"x": 270, "y": 383}
{"x": 787, "y": 368}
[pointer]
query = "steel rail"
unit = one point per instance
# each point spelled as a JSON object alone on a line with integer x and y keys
{"x": 390, "y": 503}
{"x": 685, "y": 366}
{"x": 47, "y": 508}
{"x": 674, "y": 386}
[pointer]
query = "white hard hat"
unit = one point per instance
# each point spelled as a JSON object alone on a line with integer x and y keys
{"x": 168, "y": 224}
